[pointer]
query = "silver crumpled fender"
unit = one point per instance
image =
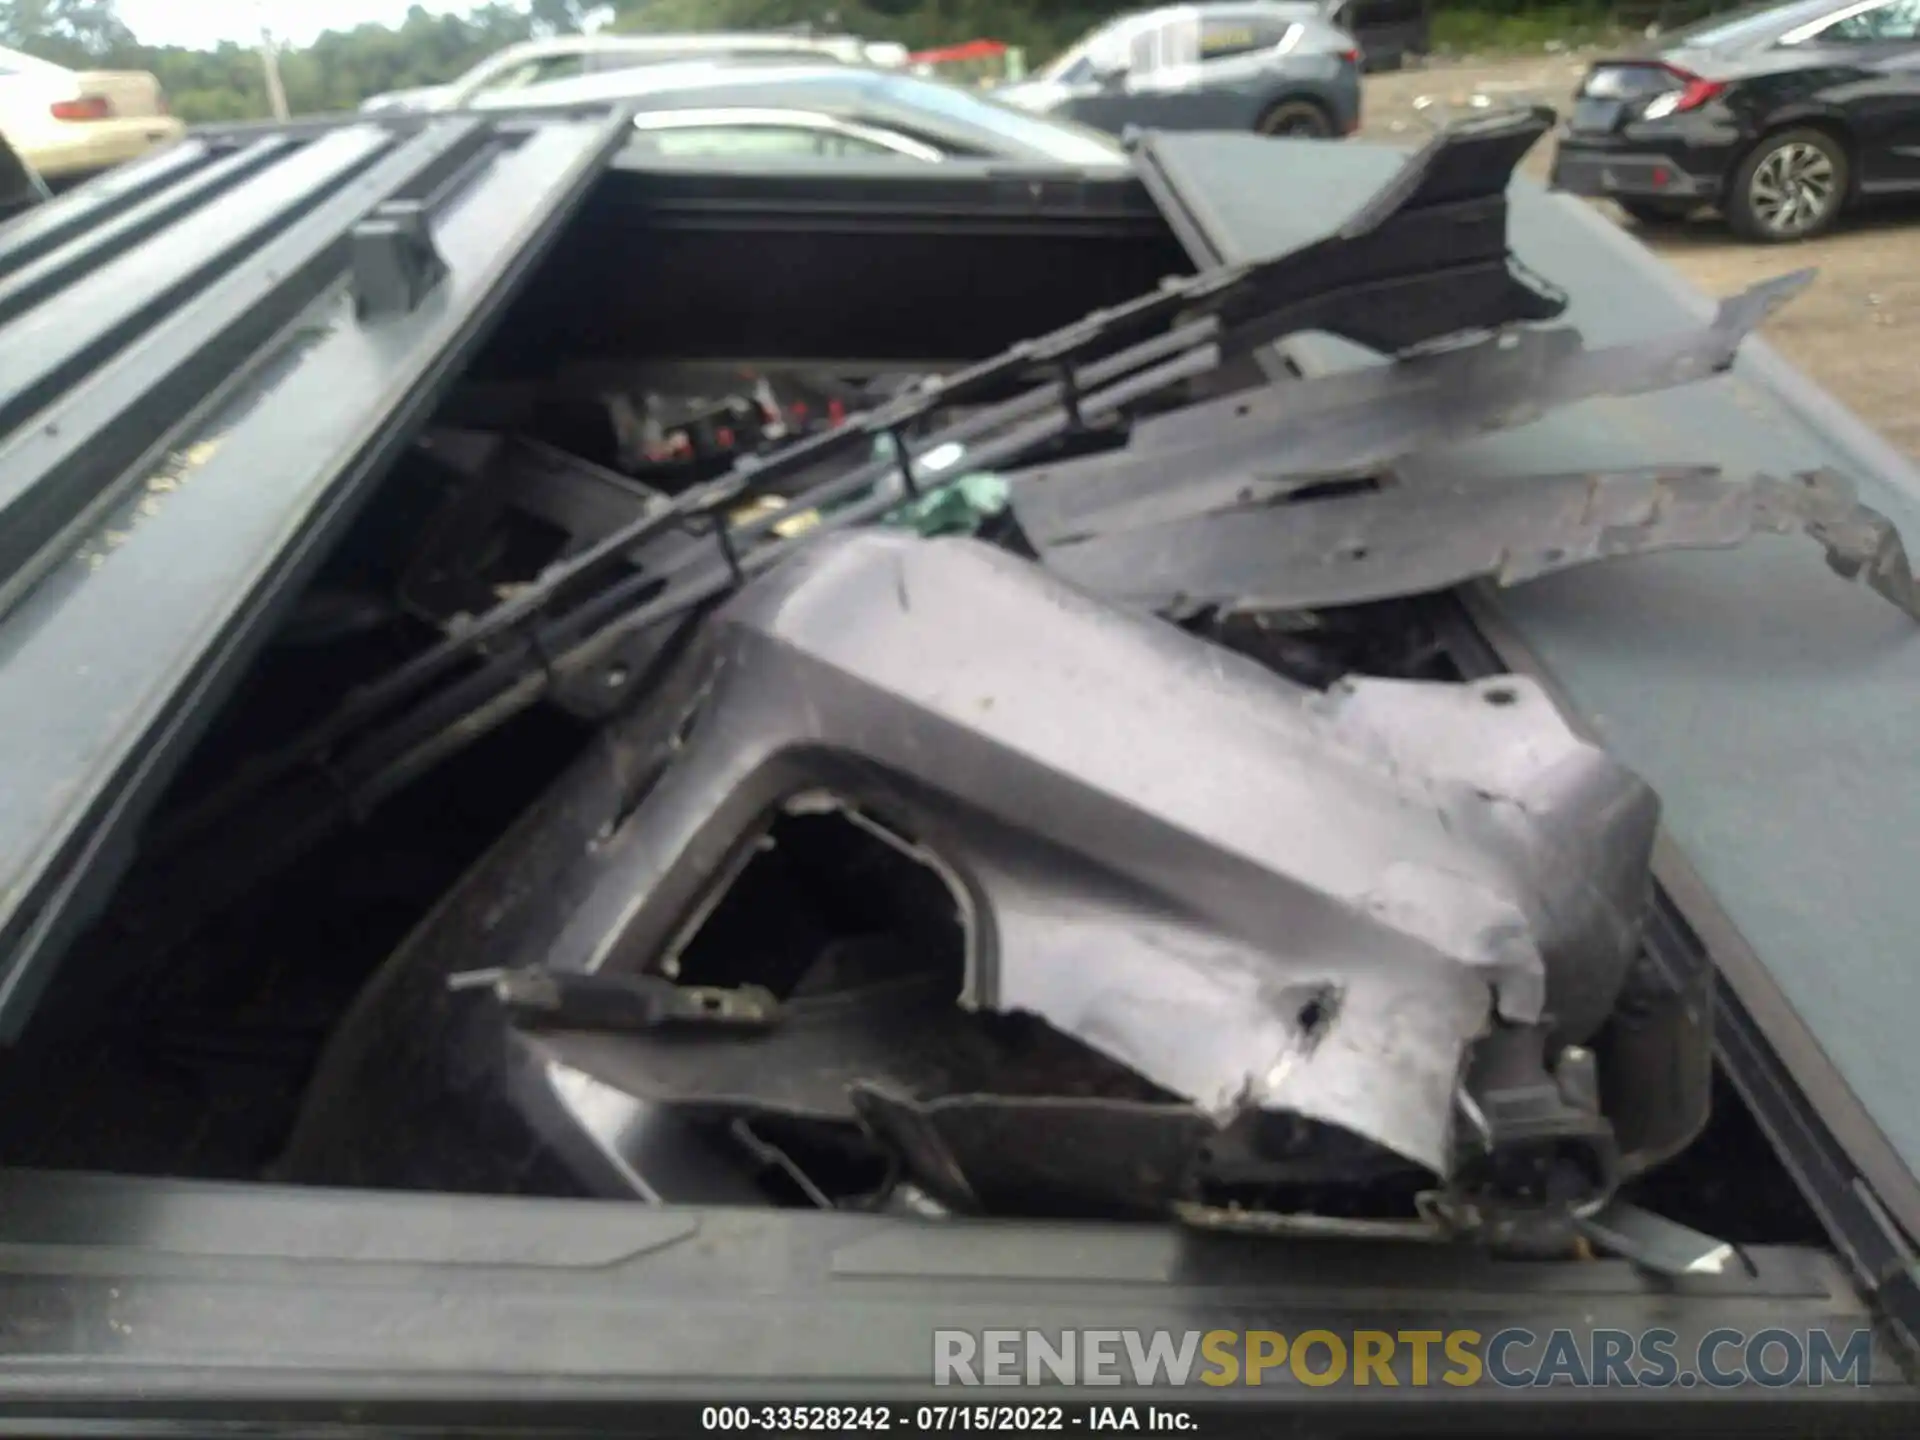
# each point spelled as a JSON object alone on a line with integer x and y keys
{"x": 1253, "y": 894}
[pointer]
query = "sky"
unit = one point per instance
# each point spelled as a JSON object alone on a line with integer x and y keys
{"x": 201, "y": 23}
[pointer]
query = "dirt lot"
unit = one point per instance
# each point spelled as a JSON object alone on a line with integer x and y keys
{"x": 1856, "y": 331}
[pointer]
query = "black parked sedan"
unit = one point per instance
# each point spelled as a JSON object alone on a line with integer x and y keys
{"x": 1781, "y": 117}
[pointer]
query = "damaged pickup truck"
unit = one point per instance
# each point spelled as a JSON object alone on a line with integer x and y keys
{"x": 656, "y": 750}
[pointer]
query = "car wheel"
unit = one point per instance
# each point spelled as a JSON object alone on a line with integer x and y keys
{"x": 1657, "y": 212}
{"x": 1790, "y": 188}
{"x": 1296, "y": 119}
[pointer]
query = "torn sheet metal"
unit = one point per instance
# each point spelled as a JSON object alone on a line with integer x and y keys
{"x": 1242, "y": 890}
{"x": 1349, "y": 549}
{"x": 1255, "y": 446}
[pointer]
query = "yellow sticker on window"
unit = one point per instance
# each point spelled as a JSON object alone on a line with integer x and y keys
{"x": 1214, "y": 40}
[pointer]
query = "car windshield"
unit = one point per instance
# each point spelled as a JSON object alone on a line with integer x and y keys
{"x": 1891, "y": 20}
{"x": 17, "y": 62}
{"x": 530, "y": 72}
{"x": 1041, "y": 135}
{"x": 1109, "y": 40}
{"x": 1753, "y": 25}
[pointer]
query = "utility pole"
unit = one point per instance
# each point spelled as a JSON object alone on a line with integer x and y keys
{"x": 270, "y": 63}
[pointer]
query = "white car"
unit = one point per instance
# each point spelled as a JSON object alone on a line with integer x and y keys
{"x": 712, "y": 110}
{"x": 571, "y": 57}
{"x": 70, "y": 123}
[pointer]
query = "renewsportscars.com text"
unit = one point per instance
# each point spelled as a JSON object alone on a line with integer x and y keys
{"x": 1510, "y": 1358}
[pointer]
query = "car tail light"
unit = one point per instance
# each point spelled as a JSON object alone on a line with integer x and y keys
{"x": 1692, "y": 94}
{"x": 1352, "y": 57}
{"x": 1694, "y": 91}
{"x": 87, "y": 107}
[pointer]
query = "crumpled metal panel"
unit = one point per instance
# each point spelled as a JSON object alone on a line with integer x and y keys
{"x": 1251, "y": 894}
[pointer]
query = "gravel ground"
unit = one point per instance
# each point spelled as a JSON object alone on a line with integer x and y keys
{"x": 1856, "y": 331}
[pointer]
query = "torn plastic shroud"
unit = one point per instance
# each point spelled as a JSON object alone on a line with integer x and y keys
{"x": 1259, "y": 899}
{"x": 1347, "y": 549}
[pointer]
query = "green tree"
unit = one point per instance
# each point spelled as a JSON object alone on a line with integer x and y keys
{"x": 343, "y": 67}
{"x": 920, "y": 24}
{"x": 560, "y": 17}
{"x": 339, "y": 69}
{"x": 83, "y": 34}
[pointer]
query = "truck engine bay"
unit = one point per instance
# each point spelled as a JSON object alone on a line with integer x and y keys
{"x": 1047, "y": 782}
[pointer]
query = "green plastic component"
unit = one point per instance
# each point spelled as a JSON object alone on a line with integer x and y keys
{"x": 959, "y": 507}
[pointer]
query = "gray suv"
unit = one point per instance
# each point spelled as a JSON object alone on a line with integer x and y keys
{"x": 1279, "y": 69}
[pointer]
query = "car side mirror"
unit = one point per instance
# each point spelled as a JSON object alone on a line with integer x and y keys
{"x": 1110, "y": 75}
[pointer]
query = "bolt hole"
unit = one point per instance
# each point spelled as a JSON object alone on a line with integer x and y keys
{"x": 1354, "y": 552}
{"x": 1502, "y": 695}
{"x": 1317, "y": 1014}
